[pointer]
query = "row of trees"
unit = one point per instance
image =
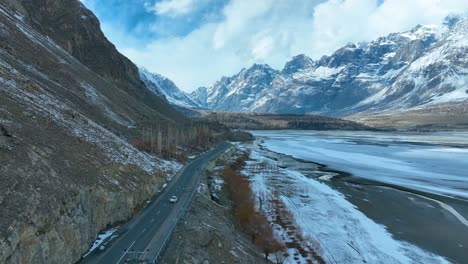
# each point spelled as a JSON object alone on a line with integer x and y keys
{"x": 252, "y": 222}
{"x": 305, "y": 245}
{"x": 169, "y": 140}
{"x": 280, "y": 215}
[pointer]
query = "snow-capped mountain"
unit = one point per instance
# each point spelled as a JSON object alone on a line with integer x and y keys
{"x": 423, "y": 66}
{"x": 166, "y": 89}
{"x": 239, "y": 92}
{"x": 200, "y": 96}
{"x": 437, "y": 76}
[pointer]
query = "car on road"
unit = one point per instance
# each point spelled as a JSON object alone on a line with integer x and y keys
{"x": 173, "y": 199}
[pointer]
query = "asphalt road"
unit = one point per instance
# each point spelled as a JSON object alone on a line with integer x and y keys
{"x": 141, "y": 240}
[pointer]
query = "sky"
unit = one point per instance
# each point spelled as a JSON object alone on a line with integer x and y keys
{"x": 196, "y": 42}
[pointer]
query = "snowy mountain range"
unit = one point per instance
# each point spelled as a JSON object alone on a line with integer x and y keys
{"x": 424, "y": 66}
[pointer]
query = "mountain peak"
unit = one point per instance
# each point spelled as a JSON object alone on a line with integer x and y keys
{"x": 259, "y": 67}
{"x": 166, "y": 89}
{"x": 451, "y": 20}
{"x": 298, "y": 63}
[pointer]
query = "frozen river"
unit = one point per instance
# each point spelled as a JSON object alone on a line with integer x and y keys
{"x": 370, "y": 197}
{"x": 435, "y": 163}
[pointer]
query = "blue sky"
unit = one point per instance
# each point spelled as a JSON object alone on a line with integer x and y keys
{"x": 195, "y": 42}
{"x": 142, "y": 22}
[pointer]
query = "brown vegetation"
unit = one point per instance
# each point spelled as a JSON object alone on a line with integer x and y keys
{"x": 257, "y": 121}
{"x": 439, "y": 117}
{"x": 169, "y": 141}
{"x": 283, "y": 219}
{"x": 252, "y": 222}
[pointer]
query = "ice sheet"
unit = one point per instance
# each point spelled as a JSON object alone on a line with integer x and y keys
{"x": 418, "y": 165}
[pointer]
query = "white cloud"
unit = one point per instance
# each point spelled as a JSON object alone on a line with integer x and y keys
{"x": 272, "y": 31}
{"x": 337, "y": 22}
{"x": 189, "y": 62}
{"x": 173, "y": 7}
{"x": 261, "y": 31}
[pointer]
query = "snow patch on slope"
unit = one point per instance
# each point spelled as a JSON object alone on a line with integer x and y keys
{"x": 115, "y": 148}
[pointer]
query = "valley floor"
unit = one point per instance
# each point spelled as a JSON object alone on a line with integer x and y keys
{"x": 380, "y": 208}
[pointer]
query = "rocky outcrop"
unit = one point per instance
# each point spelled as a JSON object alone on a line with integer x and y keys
{"x": 67, "y": 170}
{"x": 6, "y": 138}
{"x": 64, "y": 233}
{"x": 59, "y": 191}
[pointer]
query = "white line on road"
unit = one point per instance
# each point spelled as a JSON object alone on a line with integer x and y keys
{"x": 128, "y": 249}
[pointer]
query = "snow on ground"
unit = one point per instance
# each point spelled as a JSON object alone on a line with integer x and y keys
{"x": 344, "y": 234}
{"x": 318, "y": 74}
{"x": 99, "y": 100}
{"x": 100, "y": 240}
{"x": 116, "y": 149}
{"x": 257, "y": 170}
{"x": 170, "y": 167}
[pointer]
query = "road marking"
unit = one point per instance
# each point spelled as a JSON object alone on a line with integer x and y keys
{"x": 126, "y": 252}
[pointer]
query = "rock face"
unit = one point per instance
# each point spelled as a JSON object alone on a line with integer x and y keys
{"x": 77, "y": 30}
{"x": 165, "y": 88}
{"x": 200, "y": 96}
{"x": 239, "y": 92}
{"x": 67, "y": 169}
{"x": 420, "y": 67}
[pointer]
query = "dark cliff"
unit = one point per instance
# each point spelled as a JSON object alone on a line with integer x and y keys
{"x": 77, "y": 30}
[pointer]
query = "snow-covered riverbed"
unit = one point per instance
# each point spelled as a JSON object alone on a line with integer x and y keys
{"x": 425, "y": 162}
{"x": 346, "y": 233}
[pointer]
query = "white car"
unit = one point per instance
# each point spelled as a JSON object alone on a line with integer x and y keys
{"x": 173, "y": 199}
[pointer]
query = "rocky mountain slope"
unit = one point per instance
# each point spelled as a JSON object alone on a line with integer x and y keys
{"x": 77, "y": 30}
{"x": 165, "y": 88}
{"x": 423, "y": 66}
{"x": 239, "y": 92}
{"x": 69, "y": 103}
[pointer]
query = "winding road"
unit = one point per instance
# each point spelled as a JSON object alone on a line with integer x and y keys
{"x": 143, "y": 238}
